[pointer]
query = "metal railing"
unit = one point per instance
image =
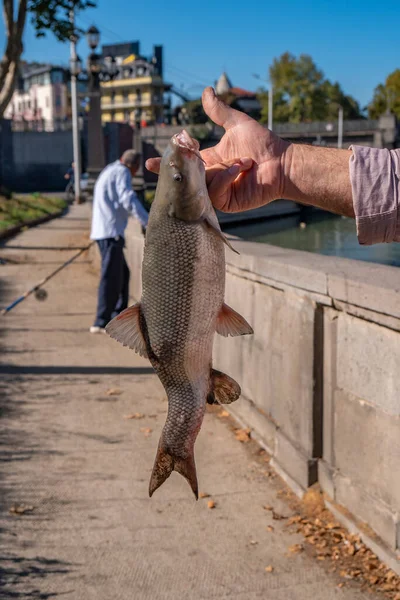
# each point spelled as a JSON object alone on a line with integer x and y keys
{"x": 325, "y": 127}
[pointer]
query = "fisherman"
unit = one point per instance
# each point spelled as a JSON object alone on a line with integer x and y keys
{"x": 114, "y": 199}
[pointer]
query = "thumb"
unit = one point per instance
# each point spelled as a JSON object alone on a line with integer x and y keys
{"x": 219, "y": 112}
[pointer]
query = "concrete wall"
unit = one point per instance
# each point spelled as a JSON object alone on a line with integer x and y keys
{"x": 320, "y": 376}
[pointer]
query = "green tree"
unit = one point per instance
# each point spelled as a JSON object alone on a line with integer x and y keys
{"x": 386, "y": 97}
{"x": 302, "y": 94}
{"x": 46, "y": 15}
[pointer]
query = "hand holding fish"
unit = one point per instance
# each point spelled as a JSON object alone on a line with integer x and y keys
{"x": 245, "y": 169}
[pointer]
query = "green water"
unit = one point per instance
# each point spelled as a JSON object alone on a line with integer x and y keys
{"x": 323, "y": 233}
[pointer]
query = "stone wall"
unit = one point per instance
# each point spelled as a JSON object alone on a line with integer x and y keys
{"x": 320, "y": 376}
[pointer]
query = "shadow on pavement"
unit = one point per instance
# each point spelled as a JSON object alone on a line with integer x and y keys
{"x": 14, "y": 570}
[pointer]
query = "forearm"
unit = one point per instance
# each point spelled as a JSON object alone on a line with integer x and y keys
{"x": 319, "y": 177}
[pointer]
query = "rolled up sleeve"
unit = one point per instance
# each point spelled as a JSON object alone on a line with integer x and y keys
{"x": 375, "y": 182}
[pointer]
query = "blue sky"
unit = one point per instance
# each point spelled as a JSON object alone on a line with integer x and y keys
{"x": 354, "y": 42}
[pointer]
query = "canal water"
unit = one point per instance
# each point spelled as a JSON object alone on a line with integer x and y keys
{"x": 315, "y": 231}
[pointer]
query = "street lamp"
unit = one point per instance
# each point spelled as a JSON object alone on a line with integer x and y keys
{"x": 96, "y": 156}
{"x": 270, "y": 100}
{"x": 93, "y": 37}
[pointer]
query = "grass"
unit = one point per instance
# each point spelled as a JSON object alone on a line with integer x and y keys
{"x": 19, "y": 210}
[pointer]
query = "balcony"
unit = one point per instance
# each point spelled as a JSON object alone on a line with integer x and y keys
{"x": 109, "y": 104}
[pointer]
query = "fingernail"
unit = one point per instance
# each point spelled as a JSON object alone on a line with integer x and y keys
{"x": 246, "y": 162}
{"x": 234, "y": 170}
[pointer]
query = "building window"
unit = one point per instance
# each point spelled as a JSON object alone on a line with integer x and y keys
{"x": 138, "y": 96}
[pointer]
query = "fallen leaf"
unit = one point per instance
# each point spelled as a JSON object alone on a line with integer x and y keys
{"x": 114, "y": 392}
{"x": 242, "y": 435}
{"x": 296, "y": 548}
{"x": 211, "y": 504}
{"x": 146, "y": 430}
{"x": 269, "y": 569}
{"x": 270, "y": 528}
{"x": 204, "y": 495}
{"x": 223, "y": 414}
{"x": 277, "y": 517}
{"x": 134, "y": 416}
{"x": 397, "y": 597}
{"x": 268, "y": 507}
{"x": 20, "y": 509}
{"x": 351, "y": 550}
{"x": 253, "y": 542}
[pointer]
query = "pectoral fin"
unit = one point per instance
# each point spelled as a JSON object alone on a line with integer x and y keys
{"x": 229, "y": 322}
{"x": 212, "y": 222}
{"x": 126, "y": 328}
{"x": 224, "y": 389}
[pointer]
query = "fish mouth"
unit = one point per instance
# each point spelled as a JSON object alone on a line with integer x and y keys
{"x": 187, "y": 143}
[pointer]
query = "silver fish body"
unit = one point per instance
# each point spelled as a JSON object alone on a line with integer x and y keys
{"x": 182, "y": 306}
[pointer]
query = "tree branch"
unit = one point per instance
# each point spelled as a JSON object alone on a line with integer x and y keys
{"x": 8, "y": 10}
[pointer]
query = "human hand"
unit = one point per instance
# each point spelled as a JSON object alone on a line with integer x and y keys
{"x": 245, "y": 169}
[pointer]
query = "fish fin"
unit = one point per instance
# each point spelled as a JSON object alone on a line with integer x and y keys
{"x": 212, "y": 222}
{"x": 224, "y": 389}
{"x": 126, "y": 329}
{"x": 165, "y": 463}
{"x": 229, "y": 322}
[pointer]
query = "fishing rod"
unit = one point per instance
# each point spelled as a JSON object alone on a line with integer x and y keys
{"x": 36, "y": 289}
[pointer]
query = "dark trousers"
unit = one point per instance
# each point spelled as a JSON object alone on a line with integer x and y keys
{"x": 113, "y": 292}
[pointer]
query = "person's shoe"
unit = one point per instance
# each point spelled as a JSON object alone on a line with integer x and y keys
{"x": 96, "y": 329}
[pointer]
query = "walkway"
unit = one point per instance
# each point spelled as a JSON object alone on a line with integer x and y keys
{"x": 80, "y": 468}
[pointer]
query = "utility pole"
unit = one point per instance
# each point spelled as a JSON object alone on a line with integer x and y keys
{"x": 340, "y": 128}
{"x": 75, "y": 68}
{"x": 270, "y": 106}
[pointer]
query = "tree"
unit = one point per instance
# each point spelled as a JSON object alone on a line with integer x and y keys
{"x": 386, "y": 97}
{"x": 46, "y": 15}
{"x": 302, "y": 94}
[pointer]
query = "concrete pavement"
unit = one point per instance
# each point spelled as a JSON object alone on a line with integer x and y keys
{"x": 71, "y": 457}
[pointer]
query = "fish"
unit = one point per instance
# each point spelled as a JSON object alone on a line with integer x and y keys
{"x": 182, "y": 307}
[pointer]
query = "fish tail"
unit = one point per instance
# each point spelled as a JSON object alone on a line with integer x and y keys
{"x": 166, "y": 462}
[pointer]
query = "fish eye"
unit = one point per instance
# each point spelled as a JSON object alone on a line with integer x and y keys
{"x": 178, "y": 177}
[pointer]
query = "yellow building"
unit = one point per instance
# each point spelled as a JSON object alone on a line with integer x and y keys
{"x": 136, "y": 93}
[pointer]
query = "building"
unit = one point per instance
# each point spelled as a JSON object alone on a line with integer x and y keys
{"x": 40, "y": 100}
{"x": 136, "y": 93}
{"x": 238, "y": 98}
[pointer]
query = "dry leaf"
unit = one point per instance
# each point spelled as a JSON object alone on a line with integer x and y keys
{"x": 277, "y": 517}
{"x": 223, "y": 414}
{"x": 351, "y": 550}
{"x": 270, "y": 528}
{"x": 211, "y": 504}
{"x": 397, "y": 597}
{"x": 204, "y": 495}
{"x": 134, "y": 416}
{"x": 114, "y": 392}
{"x": 253, "y": 542}
{"x": 242, "y": 435}
{"x": 268, "y": 507}
{"x": 146, "y": 430}
{"x": 296, "y": 548}
{"x": 20, "y": 509}
{"x": 269, "y": 569}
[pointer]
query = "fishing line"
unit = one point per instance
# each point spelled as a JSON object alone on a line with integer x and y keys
{"x": 41, "y": 294}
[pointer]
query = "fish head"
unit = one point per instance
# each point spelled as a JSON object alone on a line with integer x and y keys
{"x": 183, "y": 180}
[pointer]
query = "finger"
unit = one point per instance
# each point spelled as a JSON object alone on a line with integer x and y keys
{"x": 153, "y": 164}
{"x": 219, "y": 112}
{"x": 221, "y": 177}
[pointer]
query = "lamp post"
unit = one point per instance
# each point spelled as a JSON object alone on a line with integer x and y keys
{"x": 96, "y": 155}
{"x": 75, "y": 69}
{"x": 270, "y": 100}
